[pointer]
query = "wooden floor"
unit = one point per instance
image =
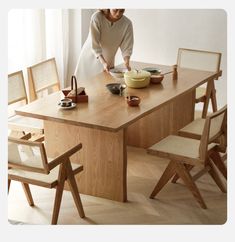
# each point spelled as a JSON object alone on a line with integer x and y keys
{"x": 174, "y": 205}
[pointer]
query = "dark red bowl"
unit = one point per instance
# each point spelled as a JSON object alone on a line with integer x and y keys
{"x": 133, "y": 100}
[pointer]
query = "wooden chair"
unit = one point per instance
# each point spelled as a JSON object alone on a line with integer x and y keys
{"x": 29, "y": 164}
{"x": 185, "y": 153}
{"x": 202, "y": 60}
{"x": 17, "y": 97}
{"x": 194, "y": 130}
{"x": 43, "y": 79}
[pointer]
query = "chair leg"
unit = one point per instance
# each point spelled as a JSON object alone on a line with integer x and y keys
{"x": 224, "y": 157}
{"x": 9, "y": 184}
{"x": 213, "y": 98}
{"x": 176, "y": 177}
{"x": 214, "y": 174}
{"x": 28, "y": 193}
{"x": 208, "y": 97}
{"x": 216, "y": 158}
{"x": 166, "y": 176}
{"x": 74, "y": 189}
{"x": 186, "y": 177}
{"x": 59, "y": 193}
{"x": 205, "y": 108}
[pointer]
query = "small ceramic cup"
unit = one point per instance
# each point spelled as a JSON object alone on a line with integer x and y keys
{"x": 66, "y": 102}
{"x": 133, "y": 100}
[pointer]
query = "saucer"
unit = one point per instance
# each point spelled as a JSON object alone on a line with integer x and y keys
{"x": 70, "y": 107}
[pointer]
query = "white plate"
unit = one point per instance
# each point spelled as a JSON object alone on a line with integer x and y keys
{"x": 70, "y": 107}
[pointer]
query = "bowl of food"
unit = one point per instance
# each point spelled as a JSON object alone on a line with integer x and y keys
{"x": 137, "y": 78}
{"x": 152, "y": 70}
{"x": 133, "y": 100}
{"x": 156, "y": 79}
{"x": 116, "y": 88}
{"x": 117, "y": 72}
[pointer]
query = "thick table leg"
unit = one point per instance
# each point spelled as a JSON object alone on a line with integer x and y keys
{"x": 103, "y": 156}
{"x": 165, "y": 120}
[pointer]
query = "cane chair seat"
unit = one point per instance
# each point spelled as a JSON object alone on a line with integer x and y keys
{"x": 26, "y": 124}
{"x": 46, "y": 180}
{"x": 200, "y": 94}
{"x": 193, "y": 129}
{"x": 176, "y": 147}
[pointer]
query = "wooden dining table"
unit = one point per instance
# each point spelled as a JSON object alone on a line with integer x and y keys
{"x": 106, "y": 125}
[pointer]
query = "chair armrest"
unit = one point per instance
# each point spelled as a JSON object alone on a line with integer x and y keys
{"x": 39, "y": 139}
{"x": 62, "y": 158}
{"x": 26, "y": 136}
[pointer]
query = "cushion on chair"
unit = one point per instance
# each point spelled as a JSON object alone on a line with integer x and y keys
{"x": 200, "y": 92}
{"x": 176, "y": 147}
{"x": 47, "y": 180}
{"x": 27, "y": 124}
{"x": 193, "y": 129}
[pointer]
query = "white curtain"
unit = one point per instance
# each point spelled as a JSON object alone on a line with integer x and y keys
{"x": 35, "y": 35}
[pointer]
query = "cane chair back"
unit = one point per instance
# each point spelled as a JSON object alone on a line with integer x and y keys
{"x": 17, "y": 97}
{"x": 43, "y": 79}
{"x": 199, "y": 59}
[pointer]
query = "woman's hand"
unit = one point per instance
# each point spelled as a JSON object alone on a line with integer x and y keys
{"x": 127, "y": 62}
{"x": 104, "y": 63}
{"x": 128, "y": 67}
{"x": 106, "y": 67}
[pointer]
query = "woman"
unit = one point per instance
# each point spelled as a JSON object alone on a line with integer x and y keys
{"x": 109, "y": 30}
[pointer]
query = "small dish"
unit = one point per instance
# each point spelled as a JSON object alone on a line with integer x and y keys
{"x": 152, "y": 70}
{"x": 116, "y": 88}
{"x": 73, "y": 105}
{"x": 133, "y": 100}
{"x": 117, "y": 72}
{"x": 156, "y": 78}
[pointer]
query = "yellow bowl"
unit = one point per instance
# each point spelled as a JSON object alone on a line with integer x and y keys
{"x": 137, "y": 79}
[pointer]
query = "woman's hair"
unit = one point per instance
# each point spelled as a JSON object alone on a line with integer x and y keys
{"x": 105, "y": 12}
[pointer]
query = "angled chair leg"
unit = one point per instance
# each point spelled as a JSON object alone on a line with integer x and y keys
{"x": 28, "y": 193}
{"x": 213, "y": 98}
{"x": 74, "y": 189}
{"x": 186, "y": 177}
{"x": 214, "y": 174}
{"x": 216, "y": 158}
{"x": 208, "y": 97}
{"x": 59, "y": 193}
{"x": 176, "y": 177}
{"x": 166, "y": 176}
{"x": 9, "y": 184}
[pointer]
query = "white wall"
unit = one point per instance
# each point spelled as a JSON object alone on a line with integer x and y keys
{"x": 86, "y": 17}
{"x": 159, "y": 33}
{"x": 74, "y": 40}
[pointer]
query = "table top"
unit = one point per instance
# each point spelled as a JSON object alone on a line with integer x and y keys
{"x": 111, "y": 112}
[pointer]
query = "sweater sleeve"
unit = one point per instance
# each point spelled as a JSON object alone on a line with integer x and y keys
{"x": 127, "y": 42}
{"x": 95, "y": 36}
